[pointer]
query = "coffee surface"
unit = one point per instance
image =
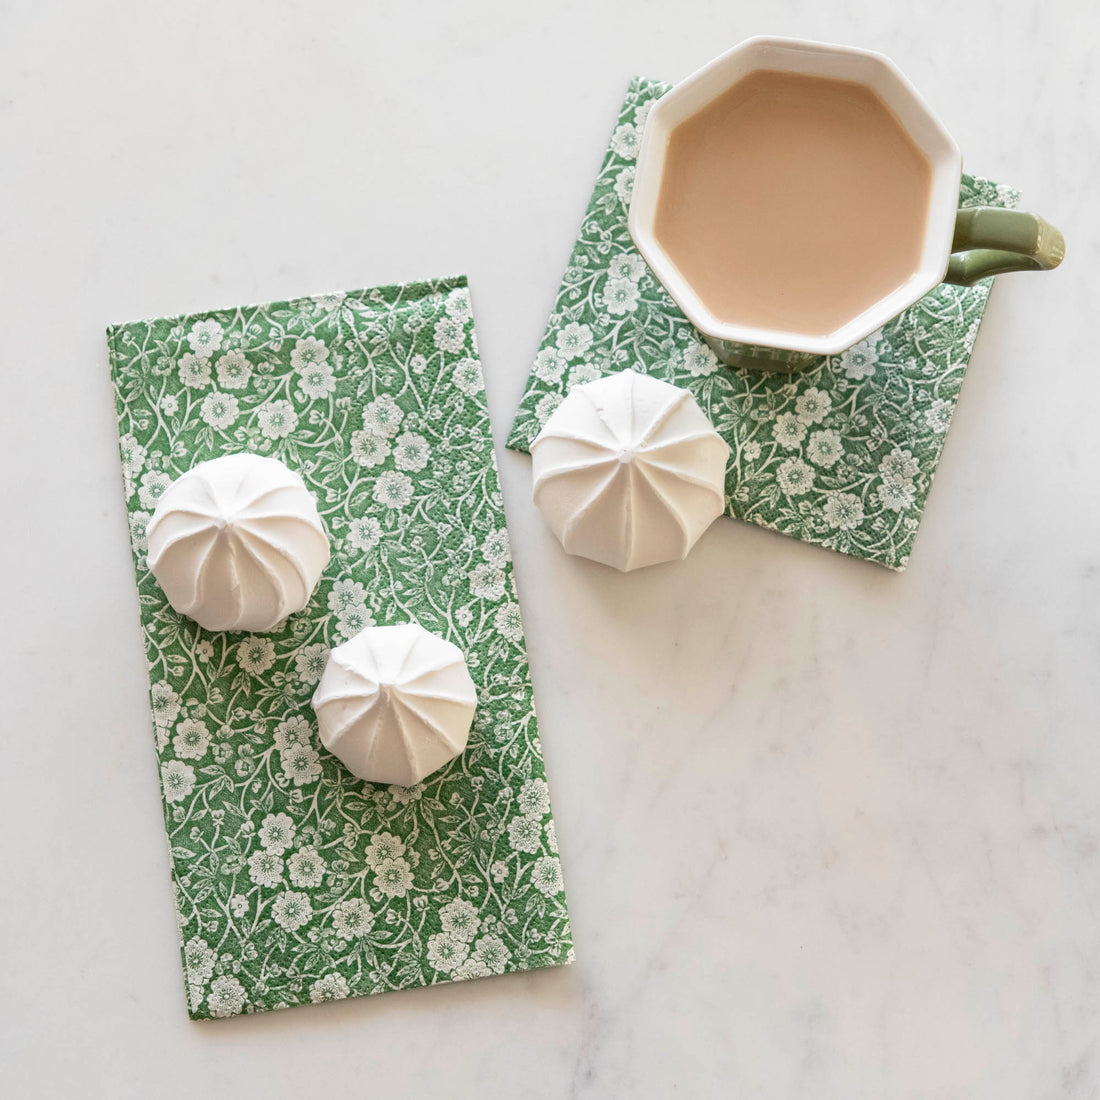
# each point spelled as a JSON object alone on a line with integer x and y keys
{"x": 793, "y": 202}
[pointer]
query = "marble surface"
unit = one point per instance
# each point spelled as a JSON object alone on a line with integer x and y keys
{"x": 875, "y": 871}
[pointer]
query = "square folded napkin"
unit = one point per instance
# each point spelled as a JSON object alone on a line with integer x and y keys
{"x": 294, "y": 881}
{"x": 842, "y": 454}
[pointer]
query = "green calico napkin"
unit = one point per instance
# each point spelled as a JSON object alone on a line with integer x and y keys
{"x": 294, "y": 881}
{"x": 842, "y": 455}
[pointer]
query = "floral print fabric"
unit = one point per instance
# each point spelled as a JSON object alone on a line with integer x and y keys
{"x": 294, "y": 881}
{"x": 842, "y": 454}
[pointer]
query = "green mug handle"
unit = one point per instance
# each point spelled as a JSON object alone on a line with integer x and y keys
{"x": 991, "y": 241}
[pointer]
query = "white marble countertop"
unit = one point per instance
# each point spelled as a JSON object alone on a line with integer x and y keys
{"x": 876, "y": 872}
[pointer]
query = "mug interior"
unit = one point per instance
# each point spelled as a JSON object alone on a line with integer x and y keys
{"x": 814, "y": 59}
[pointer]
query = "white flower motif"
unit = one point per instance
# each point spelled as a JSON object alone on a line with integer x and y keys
{"x": 458, "y": 304}
{"x": 383, "y": 846}
{"x": 234, "y": 370}
{"x": 751, "y": 450}
{"x": 277, "y": 419}
{"x": 812, "y": 406}
{"x": 165, "y": 703}
{"x": 291, "y": 910}
{"x": 624, "y": 185}
{"x": 352, "y": 918}
{"x": 404, "y": 795}
{"x": 788, "y": 431}
{"x": 329, "y": 303}
{"x": 226, "y": 997}
{"x": 496, "y": 549}
{"x": 843, "y": 510}
{"x": 153, "y": 484}
{"x": 938, "y": 415}
{"x": 459, "y": 918}
{"x": 265, "y": 868}
{"x": 411, "y": 452}
{"x": 620, "y": 296}
{"x": 467, "y": 376}
{"x": 205, "y": 338}
{"x": 306, "y": 867}
{"x": 317, "y": 381}
{"x": 625, "y": 141}
{"x": 139, "y": 522}
{"x": 352, "y": 621}
{"x": 525, "y": 834}
{"x": 896, "y": 495}
{"x": 198, "y": 960}
{"x": 368, "y": 449}
{"x": 551, "y": 836}
{"x": 549, "y": 365}
{"x": 545, "y": 406}
{"x": 393, "y": 489}
{"x": 825, "y": 448}
{"x": 546, "y": 875}
{"x": 472, "y": 967}
{"x": 580, "y": 374}
{"x": 509, "y": 622}
{"x": 860, "y": 360}
{"x": 219, "y": 410}
{"x": 178, "y": 780}
{"x": 393, "y": 877}
{"x": 446, "y": 952}
{"x": 296, "y": 730}
{"x": 169, "y": 404}
{"x": 486, "y": 582}
{"x": 346, "y": 595}
{"x": 574, "y": 340}
{"x": 307, "y": 353}
{"x": 193, "y": 371}
{"x": 133, "y": 455}
{"x": 364, "y": 533}
{"x": 627, "y": 265}
{"x": 255, "y": 654}
{"x": 534, "y": 798}
{"x": 382, "y": 417}
{"x": 899, "y": 467}
{"x": 309, "y": 662}
{"x": 699, "y": 359}
{"x": 492, "y": 953}
{"x": 794, "y": 477}
{"x": 332, "y": 987}
{"x": 450, "y": 335}
{"x": 277, "y": 832}
{"x": 192, "y": 739}
{"x": 301, "y": 763}
{"x": 418, "y": 364}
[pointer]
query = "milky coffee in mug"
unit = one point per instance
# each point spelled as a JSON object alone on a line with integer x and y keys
{"x": 793, "y": 197}
{"x": 793, "y": 201}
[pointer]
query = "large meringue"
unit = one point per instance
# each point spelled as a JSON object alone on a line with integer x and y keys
{"x": 237, "y": 544}
{"x": 629, "y": 471}
{"x": 395, "y": 703}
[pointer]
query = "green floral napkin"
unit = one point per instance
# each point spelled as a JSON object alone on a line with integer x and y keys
{"x": 841, "y": 455}
{"x": 294, "y": 881}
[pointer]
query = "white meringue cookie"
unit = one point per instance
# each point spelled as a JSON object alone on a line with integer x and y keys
{"x": 395, "y": 703}
{"x": 237, "y": 543}
{"x": 629, "y": 471}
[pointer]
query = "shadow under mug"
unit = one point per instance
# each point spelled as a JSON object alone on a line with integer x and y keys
{"x": 960, "y": 246}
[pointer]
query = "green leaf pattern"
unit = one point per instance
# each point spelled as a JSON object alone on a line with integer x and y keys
{"x": 294, "y": 881}
{"x": 841, "y": 454}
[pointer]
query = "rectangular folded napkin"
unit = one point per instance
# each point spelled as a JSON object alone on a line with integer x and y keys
{"x": 841, "y": 455}
{"x": 294, "y": 881}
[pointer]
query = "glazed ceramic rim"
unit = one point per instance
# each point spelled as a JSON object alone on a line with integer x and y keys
{"x": 872, "y": 69}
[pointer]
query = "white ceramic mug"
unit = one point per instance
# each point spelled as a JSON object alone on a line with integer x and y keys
{"x": 960, "y": 246}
